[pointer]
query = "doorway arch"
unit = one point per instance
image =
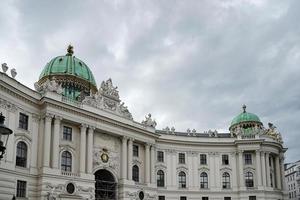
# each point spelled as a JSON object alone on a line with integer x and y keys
{"x": 105, "y": 185}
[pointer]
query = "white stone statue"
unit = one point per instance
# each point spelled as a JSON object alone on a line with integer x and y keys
{"x": 4, "y": 67}
{"x": 149, "y": 122}
{"x": 49, "y": 86}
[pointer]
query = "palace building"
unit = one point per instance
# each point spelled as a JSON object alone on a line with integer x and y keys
{"x": 73, "y": 139}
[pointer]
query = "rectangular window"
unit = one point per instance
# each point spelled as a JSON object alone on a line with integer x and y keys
{"x": 67, "y": 133}
{"x": 204, "y": 198}
{"x": 182, "y": 198}
{"x": 181, "y": 158}
{"x": 248, "y": 159}
{"x": 161, "y": 197}
{"x": 23, "y": 121}
{"x": 135, "y": 150}
{"x": 21, "y": 188}
{"x": 203, "y": 160}
{"x": 225, "y": 160}
{"x": 160, "y": 156}
{"x": 227, "y": 198}
{"x": 252, "y": 197}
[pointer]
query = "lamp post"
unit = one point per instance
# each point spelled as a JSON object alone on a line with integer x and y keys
{"x": 4, "y": 133}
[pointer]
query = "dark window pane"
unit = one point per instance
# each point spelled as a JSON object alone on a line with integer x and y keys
{"x": 160, "y": 178}
{"x": 21, "y": 188}
{"x": 181, "y": 158}
{"x": 67, "y": 133}
{"x": 135, "y": 173}
{"x": 160, "y": 156}
{"x": 135, "y": 150}
{"x": 161, "y": 197}
{"x": 203, "y": 160}
{"x": 226, "y": 180}
{"x": 203, "y": 180}
{"x": 21, "y": 157}
{"x": 225, "y": 160}
{"x": 66, "y": 161}
{"x": 249, "y": 179}
{"x": 182, "y": 180}
{"x": 23, "y": 121}
{"x": 248, "y": 159}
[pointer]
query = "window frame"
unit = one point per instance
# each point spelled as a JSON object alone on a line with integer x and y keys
{"x": 181, "y": 158}
{"x": 160, "y": 156}
{"x": 248, "y": 159}
{"x": 23, "y": 121}
{"x": 203, "y": 159}
{"x": 182, "y": 179}
{"x": 66, "y": 161}
{"x": 249, "y": 180}
{"x": 225, "y": 159}
{"x": 67, "y": 133}
{"x": 204, "y": 180}
{"x": 21, "y": 189}
{"x": 160, "y": 178}
{"x": 135, "y": 150}
{"x": 135, "y": 173}
{"x": 21, "y": 154}
{"x": 226, "y": 180}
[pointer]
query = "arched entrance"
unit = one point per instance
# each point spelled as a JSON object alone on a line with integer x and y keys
{"x": 105, "y": 186}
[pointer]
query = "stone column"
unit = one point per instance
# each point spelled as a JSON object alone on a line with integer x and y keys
{"x": 234, "y": 170}
{"x": 211, "y": 169}
{"x": 47, "y": 140}
{"x": 218, "y": 159}
{"x": 124, "y": 157}
{"x": 55, "y": 143}
{"x": 258, "y": 168}
{"x": 277, "y": 171}
{"x": 35, "y": 136}
{"x": 129, "y": 167}
{"x": 153, "y": 174}
{"x": 147, "y": 163}
{"x": 90, "y": 144}
{"x": 10, "y": 121}
{"x": 241, "y": 169}
{"x": 263, "y": 166}
{"x": 284, "y": 187}
{"x": 268, "y": 169}
{"x": 83, "y": 128}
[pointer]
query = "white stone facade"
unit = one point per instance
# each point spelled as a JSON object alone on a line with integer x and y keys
{"x": 97, "y": 131}
{"x": 292, "y": 179}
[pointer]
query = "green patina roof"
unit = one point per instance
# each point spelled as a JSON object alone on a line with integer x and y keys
{"x": 68, "y": 65}
{"x": 245, "y": 117}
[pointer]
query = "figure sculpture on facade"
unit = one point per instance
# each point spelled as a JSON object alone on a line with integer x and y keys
{"x": 108, "y": 89}
{"x": 149, "y": 121}
{"x": 49, "y": 86}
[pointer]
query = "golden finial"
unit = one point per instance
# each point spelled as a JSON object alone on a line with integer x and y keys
{"x": 70, "y": 50}
{"x": 244, "y": 108}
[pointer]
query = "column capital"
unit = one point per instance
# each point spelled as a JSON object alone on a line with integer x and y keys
{"x": 36, "y": 117}
{"x": 258, "y": 150}
{"x": 240, "y": 151}
{"x": 57, "y": 119}
{"x": 92, "y": 127}
{"x": 48, "y": 116}
{"x": 131, "y": 139}
{"x": 147, "y": 144}
{"x": 124, "y": 137}
{"x": 233, "y": 153}
{"x": 83, "y": 126}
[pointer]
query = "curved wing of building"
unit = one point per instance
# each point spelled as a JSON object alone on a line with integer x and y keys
{"x": 72, "y": 140}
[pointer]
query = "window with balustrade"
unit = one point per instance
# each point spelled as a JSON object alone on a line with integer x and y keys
{"x": 66, "y": 161}
{"x": 203, "y": 180}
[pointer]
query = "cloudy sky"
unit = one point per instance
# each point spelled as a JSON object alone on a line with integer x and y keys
{"x": 192, "y": 64}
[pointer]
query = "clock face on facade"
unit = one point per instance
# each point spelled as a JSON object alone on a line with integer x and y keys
{"x": 104, "y": 157}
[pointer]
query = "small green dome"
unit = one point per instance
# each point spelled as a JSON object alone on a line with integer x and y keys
{"x": 73, "y": 74}
{"x": 68, "y": 65}
{"x": 245, "y": 117}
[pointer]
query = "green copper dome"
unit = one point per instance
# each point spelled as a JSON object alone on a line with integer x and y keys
{"x": 72, "y": 73}
{"x": 68, "y": 65}
{"x": 245, "y": 117}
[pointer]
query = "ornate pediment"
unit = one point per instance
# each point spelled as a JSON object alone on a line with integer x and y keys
{"x": 107, "y": 98}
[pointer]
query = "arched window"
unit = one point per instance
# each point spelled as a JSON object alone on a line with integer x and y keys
{"x": 66, "y": 161}
{"x": 226, "y": 180}
{"x": 249, "y": 179}
{"x": 21, "y": 157}
{"x": 203, "y": 180}
{"x": 160, "y": 178}
{"x": 135, "y": 173}
{"x": 182, "y": 179}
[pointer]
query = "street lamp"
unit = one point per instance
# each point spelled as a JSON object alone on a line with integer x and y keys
{"x": 4, "y": 133}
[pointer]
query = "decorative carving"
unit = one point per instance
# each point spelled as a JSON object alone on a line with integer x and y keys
{"x": 107, "y": 98}
{"x": 53, "y": 191}
{"x": 49, "y": 86}
{"x": 173, "y": 130}
{"x": 212, "y": 133}
{"x": 273, "y": 133}
{"x": 8, "y": 106}
{"x": 4, "y": 67}
{"x": 13, "y": 73}
{"x": 112, "y": 162}
{"x": 149, "y": 121}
